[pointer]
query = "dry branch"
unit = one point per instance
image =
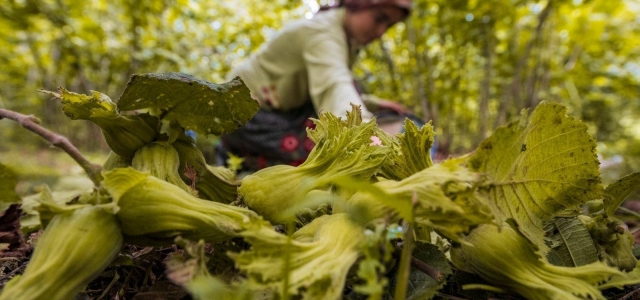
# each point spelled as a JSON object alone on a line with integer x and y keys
{"x": 31, "y": 123}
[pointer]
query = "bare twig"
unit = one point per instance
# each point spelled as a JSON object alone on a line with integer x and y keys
{"x": 445, "y": 296}
{"x": 407, "y": 248}
{"x": 31, "y": 123}
{"x": 631, "y": 212}
{"x": 427, "y": 269}
{"x": 633, "y": 295}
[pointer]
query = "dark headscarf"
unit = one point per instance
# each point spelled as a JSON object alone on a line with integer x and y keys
{"x": 364, "y": 4}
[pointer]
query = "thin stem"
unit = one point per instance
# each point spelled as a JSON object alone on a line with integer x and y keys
{"x": 631, "y": 212}
{"x": 427, "y": 269}
{"x": 31, "y": 123}
{"x": 113, "y": 281}
{"x": 405, "y": 263}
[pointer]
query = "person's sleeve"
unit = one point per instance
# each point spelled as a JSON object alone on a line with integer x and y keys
{"x": 330, "y": 80}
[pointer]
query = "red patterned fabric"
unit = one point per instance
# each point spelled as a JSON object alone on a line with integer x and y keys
{"x": 289, "y": 143}
{"x": 271, "y": 138}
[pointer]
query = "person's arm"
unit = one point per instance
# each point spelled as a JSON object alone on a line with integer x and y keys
{"x": 371, "y": 101}
{"x": 374, "y": 103}
{"x": 330, "y": 80}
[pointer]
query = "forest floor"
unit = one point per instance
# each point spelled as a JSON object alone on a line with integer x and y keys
{"x": 140, "y": 271}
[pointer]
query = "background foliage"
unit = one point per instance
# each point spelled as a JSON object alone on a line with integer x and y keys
{"x": 468, "y": 65}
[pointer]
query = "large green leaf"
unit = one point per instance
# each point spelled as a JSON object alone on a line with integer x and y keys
{"x": 195, "y": 104}
{"x": 570, "y": 243}
{"x": 539, "y": 166}
{"x": 8, "y": 182}
{"x": 616, "y": 192}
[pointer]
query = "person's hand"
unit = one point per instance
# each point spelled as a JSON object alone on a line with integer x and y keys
{"x": 393, "y": 106}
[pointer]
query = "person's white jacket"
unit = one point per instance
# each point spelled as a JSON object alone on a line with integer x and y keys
{"x": 308, "y": 59}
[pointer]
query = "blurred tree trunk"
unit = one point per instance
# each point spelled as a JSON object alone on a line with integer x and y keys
{"x": 545, "y": 66}
{"x": 91, "y": 138}
{"x": 574, "y": 94}
{"x": 50, "y": 109}
{"x": 134, "y": 63}
{"x": 431, "y": 103}
{"x": 421, "y": 96}
{"x": 537, "y": 81}
{"x": 392, "y": 71}
{"x": 520, "y": 79}
{"x": 485, "y": 88}
{"x": 450, "y": 124}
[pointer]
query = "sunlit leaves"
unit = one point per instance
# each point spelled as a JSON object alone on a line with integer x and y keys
{"x": 539, "y": 166}
{"x": 437, "y": 57}
{"x": 452, "y": 55}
